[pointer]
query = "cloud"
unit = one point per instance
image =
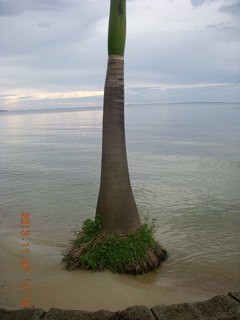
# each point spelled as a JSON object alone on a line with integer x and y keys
{"x": 57, "y": 48}
{"x": 231, "y": 9}
{"x": 53, "y": 95}
{"x": 13, "y": 7}
{"x": 197, "y": 3}
{"x": 184, "y": 93}
{"x": 186, "y": 47}
{"x": 60, "y": 47}
{"x": 43, "y": 100}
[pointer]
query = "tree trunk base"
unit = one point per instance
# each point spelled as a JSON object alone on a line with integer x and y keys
{"x": 137, "y": 253}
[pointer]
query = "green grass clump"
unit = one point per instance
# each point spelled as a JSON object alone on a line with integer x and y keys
{"x": 136, "y": 253}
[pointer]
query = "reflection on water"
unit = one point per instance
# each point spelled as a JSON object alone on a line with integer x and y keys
{"x": 184, "y": 166}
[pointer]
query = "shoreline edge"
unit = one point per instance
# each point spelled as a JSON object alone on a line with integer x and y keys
{"x": 222, "y": 307}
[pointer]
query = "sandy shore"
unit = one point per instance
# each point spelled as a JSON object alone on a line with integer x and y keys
{"x": 52, "y": 286}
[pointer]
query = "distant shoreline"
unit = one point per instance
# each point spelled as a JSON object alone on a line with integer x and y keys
{"x": 127, "y": 104}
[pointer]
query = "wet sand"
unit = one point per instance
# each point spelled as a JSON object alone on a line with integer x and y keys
{"x": 52, "y": 286}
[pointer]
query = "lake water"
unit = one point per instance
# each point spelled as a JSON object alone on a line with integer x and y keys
{"x": 184, "y": 162}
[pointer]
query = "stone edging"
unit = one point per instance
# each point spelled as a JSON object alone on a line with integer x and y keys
{"x": 217, "y": 308}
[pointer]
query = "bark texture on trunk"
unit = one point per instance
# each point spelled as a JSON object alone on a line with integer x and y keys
{"x": 116, "y": 203}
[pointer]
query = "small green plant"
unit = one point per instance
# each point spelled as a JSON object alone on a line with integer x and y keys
{"x": 136, "y": 253}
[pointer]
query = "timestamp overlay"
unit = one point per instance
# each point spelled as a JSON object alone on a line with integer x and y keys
{"x": 25, "y": 263}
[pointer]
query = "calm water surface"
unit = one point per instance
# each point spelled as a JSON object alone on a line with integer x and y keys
{"x": 184, "y": 163}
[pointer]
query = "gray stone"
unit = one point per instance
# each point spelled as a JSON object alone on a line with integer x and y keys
{"x": 38, "y": 314}
{"x": 57, "y": 314}
{"x": 235, "y": 295}
{"x": 235, "y": 317}
{"x": 138, "y": 313}
{"x": 219, "y": 306}
{"x": 184, "y": 311}
{"x": 24, "y": 314}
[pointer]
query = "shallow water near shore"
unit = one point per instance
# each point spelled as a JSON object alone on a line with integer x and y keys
{"x": 184, "y": 166}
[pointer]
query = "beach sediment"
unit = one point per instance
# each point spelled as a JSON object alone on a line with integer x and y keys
{"x": 218, "y": 308}
{"x": 51, "y": 292}
{"x": 52, "y": 286}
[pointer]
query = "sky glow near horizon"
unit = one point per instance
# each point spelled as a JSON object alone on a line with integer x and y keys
{"x": 54, "y": 53}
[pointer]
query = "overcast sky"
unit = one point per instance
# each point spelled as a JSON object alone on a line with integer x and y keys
{"x": 54, "y": 52}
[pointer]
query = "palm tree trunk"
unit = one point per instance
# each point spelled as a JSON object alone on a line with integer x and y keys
{"x": 116, "y": 203}
{"x": 94, "y": 247}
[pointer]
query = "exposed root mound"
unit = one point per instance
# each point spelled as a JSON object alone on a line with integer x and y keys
{"x": 136, "y": 253}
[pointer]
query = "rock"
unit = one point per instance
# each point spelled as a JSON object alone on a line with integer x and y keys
{"x": 219, "y": 307}
{"x": 235, "y": 317}
{"x": 57, "y": 314}
{"x": 235, "y": 295}
{"x": 38, "y": 314}
{"x": 184, "y": 311}
{"x": 138, "y": 313}
{"x": 24, "y": 314}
